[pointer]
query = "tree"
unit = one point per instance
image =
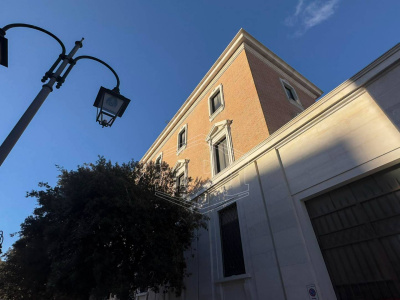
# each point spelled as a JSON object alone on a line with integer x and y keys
{"x": 101, "y": 230}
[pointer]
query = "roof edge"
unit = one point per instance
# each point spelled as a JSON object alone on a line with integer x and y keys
{"x": 241, "y": 37}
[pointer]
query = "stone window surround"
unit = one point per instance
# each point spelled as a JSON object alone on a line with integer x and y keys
{"x": 219, "y": 131}
{"x": 179, "y": 150}
{"x": 181, "y": 167}
{"x": 159, "y": 156}
{"x": 296, "y": 102}
{"x": 211, "y": 114}
{"x": 220, "y": 278}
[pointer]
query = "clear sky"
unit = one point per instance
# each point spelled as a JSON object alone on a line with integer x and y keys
{"x": 161, "y": 50}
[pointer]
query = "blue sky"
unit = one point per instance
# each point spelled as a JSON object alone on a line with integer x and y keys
{"x": 161, "y": 50}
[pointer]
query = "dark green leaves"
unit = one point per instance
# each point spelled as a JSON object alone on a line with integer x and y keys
{"x": 101, "y": 230}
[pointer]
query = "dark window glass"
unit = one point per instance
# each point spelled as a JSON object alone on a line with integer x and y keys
{"x": 158, "y": 167}
{"x": 290, "y": 93}
{"x": 215, "y": 102}
{"x": 221, "y": 155}
{"x": 181, "y": 184}
{"x": 182, "y": 138}
{"x": 232, "y": 252}
{"x": 158, "y": 163}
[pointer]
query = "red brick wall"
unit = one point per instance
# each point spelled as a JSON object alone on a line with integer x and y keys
{"x": 241, "y": 105}
{"x": 254, "y": 100}
{"x": 277, "y": 109}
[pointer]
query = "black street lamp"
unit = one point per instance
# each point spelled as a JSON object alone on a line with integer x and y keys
{"x": 3, "y": 49}
{"x": 109, "y": 103}
{"x": 1, "y": 239}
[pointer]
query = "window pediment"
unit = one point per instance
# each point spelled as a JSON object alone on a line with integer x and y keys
{"x": 179, "y": 164}
{"x": 217, "y": 128}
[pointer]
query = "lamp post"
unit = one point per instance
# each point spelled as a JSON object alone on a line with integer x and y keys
{"x": 109, "y": 103}
{"x": 1, "y": 239}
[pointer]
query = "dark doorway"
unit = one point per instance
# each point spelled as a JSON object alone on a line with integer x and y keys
{"x": 358, "y": 231}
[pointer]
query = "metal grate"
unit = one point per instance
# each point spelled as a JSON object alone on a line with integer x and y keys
{"x": 232, "y": 252}
{"x": 358, "y": 231}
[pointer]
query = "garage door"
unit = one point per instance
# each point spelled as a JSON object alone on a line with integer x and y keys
{"x": 358, "y": 231}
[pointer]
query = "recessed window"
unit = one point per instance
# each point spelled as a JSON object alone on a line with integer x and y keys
{"x": 220, "y": 142}
{"x": 221, "y": 155}
{"x": 181, "y": 173}
{"x": 157, "y": 165}
{"x": 231, "y": 242}
{"x": 216, "y": 102}
{"x": 158, "y": 162}
{"x": 182, "y": 139}
{"x": 291, "y": 94}
{"x": 180, "y": 184}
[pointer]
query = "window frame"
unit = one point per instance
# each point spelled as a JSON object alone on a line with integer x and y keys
{"x": 181, "y": 168}
{"x": 215, "y": 91}
{"x": 296, "y": 100}
{"x": 183, "y": 147}
{"x": 217, "y": 133}
{"x": 159, "y": 157}
{"x": 219, "y": 212}
{"x": 217, "y": 156}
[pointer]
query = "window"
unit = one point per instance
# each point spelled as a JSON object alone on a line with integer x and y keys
{"x": 291, "y": 94}
{"x": 216, "y": 102}
{"x": 180, "y": 182}
{"x": 158, "y": 162}
{"x": 182, "y": 139}
{"x": 157, "y": 165}
{"x": 221, "y": 149}
{"x": 231, "y": 243}
{"x": 181, "y": 171}
{"x": 221, "y": 155}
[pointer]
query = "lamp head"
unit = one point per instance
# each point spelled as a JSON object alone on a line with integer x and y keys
{"x": 110, "y": 105}
{"x": 3, "y": 49}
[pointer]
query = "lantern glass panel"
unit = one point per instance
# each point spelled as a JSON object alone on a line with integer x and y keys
{"x": 112, "y": 104}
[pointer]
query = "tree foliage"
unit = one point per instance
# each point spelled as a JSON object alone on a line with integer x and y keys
{"x": 101, "y": 230}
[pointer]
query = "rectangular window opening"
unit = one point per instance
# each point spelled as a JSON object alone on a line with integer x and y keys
{"x": 221, "y": 155}
{"x": 232, "y": 252}
{"x": 215, "y": 102}
{"x": 182, "y": 138}
{"x": 181, "y": 184}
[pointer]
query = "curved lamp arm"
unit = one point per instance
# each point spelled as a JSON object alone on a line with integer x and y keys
{"x": 73, "y": 62}
{"x": 7, "y": 27}
{"x": 49, "y": 73}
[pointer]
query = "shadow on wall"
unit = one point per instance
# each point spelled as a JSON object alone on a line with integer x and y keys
{"x": 385, "y": 91}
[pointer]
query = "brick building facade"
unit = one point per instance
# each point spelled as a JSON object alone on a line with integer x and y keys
{"x": 303, "y": 197}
